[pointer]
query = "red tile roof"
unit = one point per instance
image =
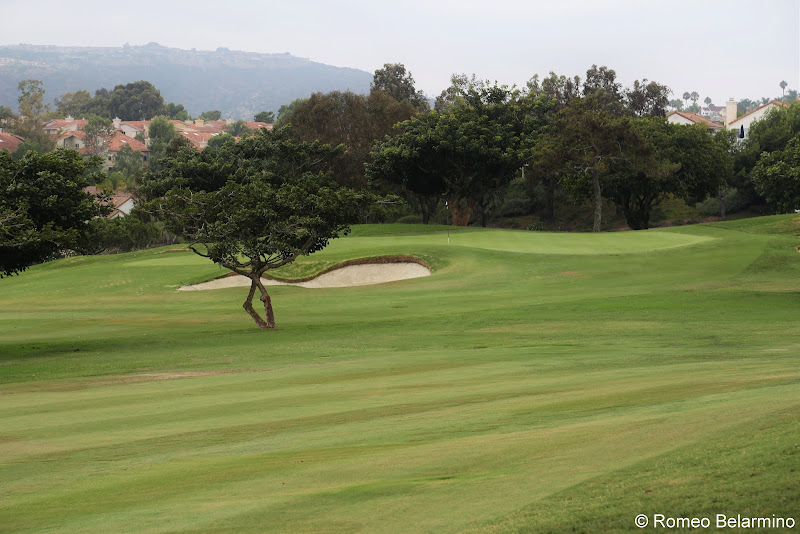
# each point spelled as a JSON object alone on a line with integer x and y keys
{"x": 253, "y": 125}
{"x": 697, "y": 119}
{"x": 771, "y": 102}
{"x": 120, "y": 139}
{"x": 118, "y": 198}
{"x": 9, "y": 141}
{"x": 139, "y": 125}
{"x": 60, "y": 124}
{"x": 199, "y": 139}
{"x": 80, "y": 134}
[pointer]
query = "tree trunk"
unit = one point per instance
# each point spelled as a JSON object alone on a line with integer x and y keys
{"x": 598, "y": 201}
{"x": 721, "y": 206}
{"x": 255, "y": 283}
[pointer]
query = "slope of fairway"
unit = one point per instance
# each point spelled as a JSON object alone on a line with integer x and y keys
{"x": 534, "y": 382}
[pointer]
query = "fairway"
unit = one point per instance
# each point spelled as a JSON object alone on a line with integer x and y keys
{"x": 534, "y": 382}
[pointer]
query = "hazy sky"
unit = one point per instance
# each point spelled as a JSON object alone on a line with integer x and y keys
{"x": 721, "y": 49}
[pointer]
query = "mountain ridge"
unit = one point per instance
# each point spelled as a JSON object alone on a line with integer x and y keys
{"x": 238, "y": 83}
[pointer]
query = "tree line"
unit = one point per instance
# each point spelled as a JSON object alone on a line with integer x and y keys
{"x": 336, "y": 159}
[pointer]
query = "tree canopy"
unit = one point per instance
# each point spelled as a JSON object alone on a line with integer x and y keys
{"x": 776, "y": 176}
{"x": 353, "y": 120}
{"x": 393, "y": 80}
{"x": 137, "y": 101}
{"x": 463, "y": 152}
{"x": 257, "y": 205}
{"x": 43, "y": 207}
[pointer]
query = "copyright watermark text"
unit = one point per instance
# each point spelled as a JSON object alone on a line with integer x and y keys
{"x": 718, "y": 521}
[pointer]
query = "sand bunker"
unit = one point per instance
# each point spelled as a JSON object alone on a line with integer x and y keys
{"x": 348, "y": 276}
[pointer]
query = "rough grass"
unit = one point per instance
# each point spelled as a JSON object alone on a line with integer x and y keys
{"x": 536, "y": 382}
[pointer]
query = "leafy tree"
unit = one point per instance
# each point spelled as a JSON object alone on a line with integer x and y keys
{"x": 350, "y": 119}
{"x": 777, "y": 176}
{"x": 265, "y": 116}
{"x": 273, "y": 154}
{"x": 707, "y": 101}
{"x": 601, "y": 83}
{"x": 286, "y": 110}
{"x": 562, "y": 89}
{"x": 770, "y": 133}
{"x": 43, "y": 207}
{"x": 262, "y": 216}
{"x": 32, "y": 110}
{"x": 7, "y": 113}
{"x": 100, "y": 104}
{"x": 676, "y": 104}
{"x": 177, "y": 112}
{"x": 129, "y": 164}
{"x": 393, "y": 80}
{"x": 648, "y": 99}
{"x": 464, "y": 152}
{"x": 459, "y": 85}
{"x": 729, "y": 181}
{"x": 213, "y": 115}
{"x": 75, "y": 104}
{"x": 137, "y": 101}
{"x": 665, "y": 159}
{"x": 218, "y": 140}
{"x": 238, "y": 128}
{"x": 25, "y": 146}
{"x": 745, "y": 105}
{"x": 98, "y": 132}
{"x": 161, "y": 132}
{"x": 592, "y": 139}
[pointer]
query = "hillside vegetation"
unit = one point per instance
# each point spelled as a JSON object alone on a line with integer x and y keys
{"x": 240, "y": 84}
{"x": 535, "y": 382}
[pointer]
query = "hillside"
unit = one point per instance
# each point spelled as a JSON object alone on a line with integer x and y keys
{"x": 239, "y": 84}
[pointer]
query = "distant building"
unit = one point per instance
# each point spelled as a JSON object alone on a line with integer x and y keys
{"x": 9, "y": 142}
{"x": 121, "y": 202}
{"x": 70, "y": 124}
{"x": 743, "y": 123}
{"x": 684, "y": 117}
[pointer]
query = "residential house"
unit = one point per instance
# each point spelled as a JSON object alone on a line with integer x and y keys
{"x": 70, "y": 124}
{"x": 71, "y": 139}
{"x": 121, "y": 202}
{"x": 119, "y": 140}
{"x": 714, "y": 113}
{"x": 132, "y": 128}
{"x": 9, "y": 141}
{"x": 743, "y": 123}
{"x": 684, "y": 117}
{"x": 199, "y": 139}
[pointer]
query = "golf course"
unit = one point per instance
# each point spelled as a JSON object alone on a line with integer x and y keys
{"x": 534, "y": 382}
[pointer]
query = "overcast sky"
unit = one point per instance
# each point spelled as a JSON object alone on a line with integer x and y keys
{"x": 721, "y": 49}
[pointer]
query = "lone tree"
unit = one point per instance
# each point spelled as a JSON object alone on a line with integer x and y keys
{"x": 43, "y": 207}
{"x": 256, "y": 205}
{"x": 393, "y": 80}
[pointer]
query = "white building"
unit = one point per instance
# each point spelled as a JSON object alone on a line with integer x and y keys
{"x": 743, "y": 123}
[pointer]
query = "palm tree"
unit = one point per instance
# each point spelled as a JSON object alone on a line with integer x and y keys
{"x": 686, "y": 97}
{"x": 707, "y": 101}
{"x": 694, "y": 96}
{"x": 783, "y": 85}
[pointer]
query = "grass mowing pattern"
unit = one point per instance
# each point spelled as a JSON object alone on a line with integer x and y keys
{"x": 536, "y": 382}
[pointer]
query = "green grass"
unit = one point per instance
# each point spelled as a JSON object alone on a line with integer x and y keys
{"x": 536, "y": 382}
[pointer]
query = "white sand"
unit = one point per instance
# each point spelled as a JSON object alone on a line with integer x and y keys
{"x": 349, "y": 276}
